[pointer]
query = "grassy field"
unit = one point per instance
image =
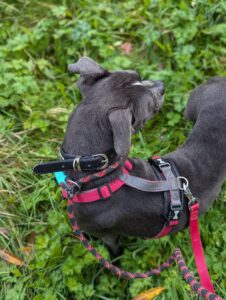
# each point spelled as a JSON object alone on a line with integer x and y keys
{"x": 180, "y": 42}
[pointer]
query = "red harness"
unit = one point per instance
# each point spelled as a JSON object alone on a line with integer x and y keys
{"x": 102, "y": 192}
{"x": 105, "y": 191}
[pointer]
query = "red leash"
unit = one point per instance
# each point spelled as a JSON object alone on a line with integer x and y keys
{"x": 196, "y": 242}
{"x": 198, "y": 249}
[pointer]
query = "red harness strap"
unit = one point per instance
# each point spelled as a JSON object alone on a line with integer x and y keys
{"x": 166, "y": 229}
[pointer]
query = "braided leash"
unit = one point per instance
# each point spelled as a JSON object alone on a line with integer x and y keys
{"x": 176, "y": 256}
{"x": 95, "y": 176}
{"x": 72, "y": 187}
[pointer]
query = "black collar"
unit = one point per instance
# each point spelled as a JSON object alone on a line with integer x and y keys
{"x": 78, "y": 163}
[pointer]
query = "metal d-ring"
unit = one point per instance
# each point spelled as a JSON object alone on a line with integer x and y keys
{"x": 106, "y": 161}
{"x": 72, "y": 187}
{"x": 183, "y": 182}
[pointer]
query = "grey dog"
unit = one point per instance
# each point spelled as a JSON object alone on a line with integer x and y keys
{"x": 114, "y": 105}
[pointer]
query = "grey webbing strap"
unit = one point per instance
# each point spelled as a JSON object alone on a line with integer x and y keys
{"x": 175, "y": 199}
{"x": 144, "y": 184}
{"x": 171, "y": 184}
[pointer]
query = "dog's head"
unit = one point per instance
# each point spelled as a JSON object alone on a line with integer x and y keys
{"x": 122, "y": 97}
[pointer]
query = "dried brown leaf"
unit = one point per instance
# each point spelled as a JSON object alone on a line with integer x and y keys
{"x": 11, "y": 258}
{"x": 149, "y": 294}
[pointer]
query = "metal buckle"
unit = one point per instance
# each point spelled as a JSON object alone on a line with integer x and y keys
{"x": 76, "y": 164}
{"x": 105, "y": 161}
{"x": 162, "y": 163}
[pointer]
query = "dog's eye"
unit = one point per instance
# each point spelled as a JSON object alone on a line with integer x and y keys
{"x": 137, "y": 83}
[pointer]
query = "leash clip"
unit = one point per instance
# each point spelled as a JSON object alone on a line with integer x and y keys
{"x": 184, "y": 186}
{"x": 191, "y": 199}
{"x": 182, "y": 182}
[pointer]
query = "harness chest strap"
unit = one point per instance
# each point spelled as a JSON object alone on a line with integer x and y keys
{"x": 99, "y": 193}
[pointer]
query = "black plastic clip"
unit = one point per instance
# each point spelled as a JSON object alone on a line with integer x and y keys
{"x": 174, "y": 215}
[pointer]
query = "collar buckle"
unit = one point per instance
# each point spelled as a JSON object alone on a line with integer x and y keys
{"x": 105, "y": 160}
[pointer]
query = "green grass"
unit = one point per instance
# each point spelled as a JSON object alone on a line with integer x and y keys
{"x": 180, "y": 42}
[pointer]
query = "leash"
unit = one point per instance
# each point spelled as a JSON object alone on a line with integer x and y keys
{"x": 196, "y": 241}
{"x": 176, "y": 256}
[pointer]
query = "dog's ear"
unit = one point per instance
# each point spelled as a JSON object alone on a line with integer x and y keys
{"x": 120, "y": 121}
{"x": 86, "y": 66}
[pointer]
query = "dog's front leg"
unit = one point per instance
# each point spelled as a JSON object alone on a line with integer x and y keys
{"x": 113, "y": 244}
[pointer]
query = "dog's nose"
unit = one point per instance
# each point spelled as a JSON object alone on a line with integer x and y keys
{"x": 160, "y": 86}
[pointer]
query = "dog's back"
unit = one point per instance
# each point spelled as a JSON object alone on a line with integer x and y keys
{"x": 212, "y": 93}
